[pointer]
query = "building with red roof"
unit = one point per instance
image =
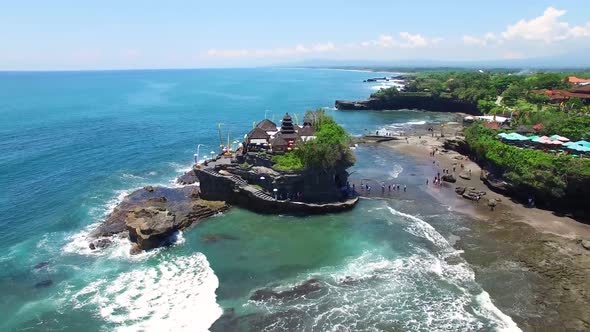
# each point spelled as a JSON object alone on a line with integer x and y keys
{"x": 575, "y": 80}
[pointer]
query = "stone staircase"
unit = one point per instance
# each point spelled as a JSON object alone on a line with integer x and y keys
{"x": 240, "y": 182}
{"x": 264, "y": 196}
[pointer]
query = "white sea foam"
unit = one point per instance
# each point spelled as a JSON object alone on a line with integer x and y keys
{"x": 396, "y": 171}
{"x": 131, "y": 176}
{"x": 459, "y": 274}
{"x": 487, "y": 308}
{"x": 177, "y": 294}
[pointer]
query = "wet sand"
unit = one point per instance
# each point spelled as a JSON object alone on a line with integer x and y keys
{"x": 513, "y": 241}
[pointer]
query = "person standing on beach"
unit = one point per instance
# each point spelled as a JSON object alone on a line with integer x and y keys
{"x": 405, "y": 188}
{"x": 426, "y": 181}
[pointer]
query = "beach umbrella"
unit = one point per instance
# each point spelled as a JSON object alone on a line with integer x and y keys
{"x": 583, "y": 143}
{"x": 569, "y": 143}
{"x": 554, "y": 137}
{"x": 544, "y": 137}
{"x": 563, "y": 139}
{"x": 533, "y": 137}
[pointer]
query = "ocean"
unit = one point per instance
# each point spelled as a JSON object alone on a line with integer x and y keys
{"x": 73, "y": 144}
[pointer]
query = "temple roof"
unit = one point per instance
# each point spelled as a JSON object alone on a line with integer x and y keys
{"x": 287, "y": 125}
{"x": 306, "y": 131}
{"x": 257, "y": 133}
{"x": 278, "y": 140}
{"x": 267, "y": 125}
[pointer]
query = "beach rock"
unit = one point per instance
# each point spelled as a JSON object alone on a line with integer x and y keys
{"x": 492, "y": 203}
{"x": 449, "y": 178}
{"x": 150, "y": 226}
{"x": 99, "y": 244}
{"x": 310, "y": 286}
{"x": 585, "y": 244}
{"x": 460, "y": 190}
{"x": 217, "y": 237}
{"x": 40, "y": 266}
{"x": 465, "y": 175}
{"x": 148, "y": 188}
{"x": 188, "y": 178}
{"x": 44, "y": 283}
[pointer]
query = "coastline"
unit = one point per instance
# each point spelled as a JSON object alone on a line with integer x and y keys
{"x": 550, "y": 251}
{"x": 420, "y": 144}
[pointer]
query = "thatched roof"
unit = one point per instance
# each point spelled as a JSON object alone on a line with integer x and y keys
{"x": 257, "y": 133}
{"x": 267, "y": 125}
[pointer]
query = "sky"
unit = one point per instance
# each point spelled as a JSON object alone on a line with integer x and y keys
{"x": 133, "y": 34}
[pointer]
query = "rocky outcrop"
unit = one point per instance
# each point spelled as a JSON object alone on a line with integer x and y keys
{"x": 449, "y": 178}
{"x": 188, "y": 178}
{"x": 151, "y": 226}
{"x": 434, "y": 104}
{"x": 470, "y": 193}
{"x": 304, "y": 289}
{"x": 151, "y": 215}
{"x": 236, "y": 191}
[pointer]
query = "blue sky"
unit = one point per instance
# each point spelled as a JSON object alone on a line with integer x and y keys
{"x": 60, "y": 34}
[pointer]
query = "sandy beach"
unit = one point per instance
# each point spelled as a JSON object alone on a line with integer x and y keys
{"x": 540, "y": 242}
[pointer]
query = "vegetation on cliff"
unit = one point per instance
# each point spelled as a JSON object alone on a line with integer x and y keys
{"x": 327, "y": 151}
{"x": 546, "y": 176}
{"x": 517, "y": 91}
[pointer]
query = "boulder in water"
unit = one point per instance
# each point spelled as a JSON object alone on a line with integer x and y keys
{"x": 41, "y": 265}
{"x": 44, "y": 283}
{"x": 310, "y": 286}
{"x": 449, "y": 178}
{"x": 149, "y": 188}
{"x": 460, "y": 190}
{"x": 465, "y": 175}
{"x": 150, "y": 226}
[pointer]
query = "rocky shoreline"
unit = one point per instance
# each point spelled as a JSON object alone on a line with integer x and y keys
{"x": 551, "y": 252}
{"x": 150, "y": 217}
{"x": 433, "y": 104}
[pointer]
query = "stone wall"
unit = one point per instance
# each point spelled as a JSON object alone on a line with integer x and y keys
{"x": 223, "y": 188}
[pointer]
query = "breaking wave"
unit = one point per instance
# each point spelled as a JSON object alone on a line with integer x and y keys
{"x": 177, "y": 294}
{"x": 421, "y": 290}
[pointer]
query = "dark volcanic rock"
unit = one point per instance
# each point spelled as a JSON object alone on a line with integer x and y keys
{"x": 99, "y": 244}
{"x": 188, "y": 178}
{"x": 460, "y": 190}
{"x": 41, "y": 265}
{"x": 217, "y": 237}
{"x": 449, "y": 178}
{"x": 465, "y": 175}
{"x": 151, "y": 216}
{"x": 148, "y": 188}
{"x": 310, "y": 286}
{"x": 44, "y": 283}
{"x": 150, "y": 226}
{"x": 434, "y": 104}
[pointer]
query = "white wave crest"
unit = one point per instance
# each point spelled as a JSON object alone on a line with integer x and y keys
{"x": 177, "y": 294}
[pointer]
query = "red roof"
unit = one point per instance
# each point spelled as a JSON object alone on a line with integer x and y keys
{"x": 563, "y": 94}
{"x": 492, "y": 125}
{"x": 575, "y": 80}
{"x": 538, "y": 126}
{"x": 582, "y": 89}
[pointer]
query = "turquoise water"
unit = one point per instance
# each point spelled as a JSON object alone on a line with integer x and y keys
{"x": 74, "y": 143}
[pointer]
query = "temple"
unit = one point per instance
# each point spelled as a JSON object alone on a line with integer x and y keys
{"x": 266, "y": 136}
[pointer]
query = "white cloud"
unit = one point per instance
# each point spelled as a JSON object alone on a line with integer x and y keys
{"x": 276, "y": 52}
{"x": 488, "y": 39}
{"x": 470, "y": 40}
{"x": 546, "y": 28}
{"x": 405, "y": 40}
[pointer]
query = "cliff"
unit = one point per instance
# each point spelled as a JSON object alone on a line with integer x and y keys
{"x": 235, "y": 190}
{"x": 427, "y": 103}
